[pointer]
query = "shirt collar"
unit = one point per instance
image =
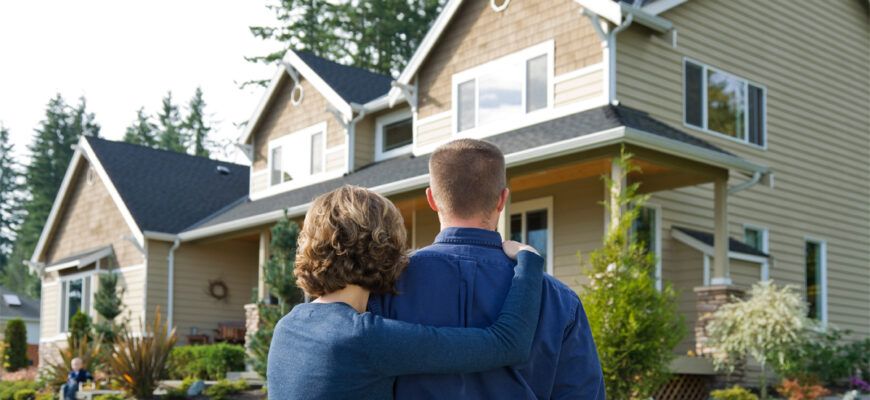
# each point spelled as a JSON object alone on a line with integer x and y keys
{"x": 473, "y": 236}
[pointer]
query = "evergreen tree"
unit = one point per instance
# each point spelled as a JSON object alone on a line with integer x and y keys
{"x": 170, "y": 127}
{"x": 107, "y": 302}
{"x": 142, "y": 131}
{"x": 10, "y": 197}
{"x": 51, "y": 150}
{"x": 278, "y": 271}
{"x": 15, "y": 346}
{"x": 195, "y": 124}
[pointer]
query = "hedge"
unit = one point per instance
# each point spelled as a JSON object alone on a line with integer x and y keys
{"x": 208, "y": 362}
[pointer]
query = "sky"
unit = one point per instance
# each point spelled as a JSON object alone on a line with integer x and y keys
{"x": 122, "y": 55}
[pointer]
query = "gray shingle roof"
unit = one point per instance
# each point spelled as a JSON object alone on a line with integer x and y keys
{"x": 733, "y": 244}
{"x": 354, "y": 85}
{"x": 571, "y": 126}
{"x": 167, "y": 191}
{"x": 29, "y": 308}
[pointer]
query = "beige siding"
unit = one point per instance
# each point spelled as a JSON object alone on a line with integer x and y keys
{"x": 281, "y": 118}
{"x": 259, "y": 181}
{"x": 583, "y": 87}
{"x": 818, "y": 97}
{"x": 48, "y": 313}
{"x": 196, "y": 264}
{"x": 478, "y": 34}
{"x": 433, "y": 131}
{"x": 364, "y": 149}
{"x": 335, "y": 160}
{"x": 683, "y": 268}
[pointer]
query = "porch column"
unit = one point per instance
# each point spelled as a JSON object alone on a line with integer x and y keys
{"x": 615, "y": 193}
{"x": 721, "y": 269}
{"x": 263, "y": 256}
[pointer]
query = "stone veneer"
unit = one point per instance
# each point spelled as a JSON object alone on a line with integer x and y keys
{"x": 710, "y": 298}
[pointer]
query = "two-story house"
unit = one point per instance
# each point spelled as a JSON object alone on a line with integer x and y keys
{"x": 750, "y": 121}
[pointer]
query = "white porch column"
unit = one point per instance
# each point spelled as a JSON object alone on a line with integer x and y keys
{"x": 721, "y": 269}
{"x": 615, "y": 193}
{"x": 263, "y": 256}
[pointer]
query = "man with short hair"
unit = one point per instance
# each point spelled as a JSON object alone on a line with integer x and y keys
{"x": 463, "y": 278}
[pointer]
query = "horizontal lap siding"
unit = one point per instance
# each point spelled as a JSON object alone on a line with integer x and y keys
{"x": 433, "y": 131}
{"x": 579, "y": 88}
{"x": 818, "y": 111}
{"x": 477, "y": 34}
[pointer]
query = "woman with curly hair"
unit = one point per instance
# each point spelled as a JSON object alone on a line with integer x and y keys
{"x": 353, "y": 243}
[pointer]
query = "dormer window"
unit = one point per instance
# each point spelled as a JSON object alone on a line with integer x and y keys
{"x": 394, "y": 134}
{"x": 504, "y": 89}
{"x": 298, "y": 155}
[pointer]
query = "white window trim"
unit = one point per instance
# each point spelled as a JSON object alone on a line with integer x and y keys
{"x": 823, "y": 276}
{"x": 62, "y": 296}
{"x": 544, "y": 48}
{"x": 704, "y": 128}
{"x": 657, "y": 246}
{"x": 306, "y": 180}
{"x": 543, "y": 203}
{"x": 765, "y": 236}
{"x": 385, "y": 120}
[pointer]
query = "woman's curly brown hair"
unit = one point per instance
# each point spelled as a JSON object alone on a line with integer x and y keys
{"x": 351, "y": 235}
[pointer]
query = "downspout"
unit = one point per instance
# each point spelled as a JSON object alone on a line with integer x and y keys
{"x": 171, "y": 282}
{"x": 756, "y": 177}
{"x": 350, "y": 127}
{"x": 608, "y": 43}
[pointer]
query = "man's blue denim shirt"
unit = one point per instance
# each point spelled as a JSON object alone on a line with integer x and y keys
{"x": 462, "y": 280}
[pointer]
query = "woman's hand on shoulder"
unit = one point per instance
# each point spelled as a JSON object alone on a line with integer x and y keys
{"x": 511, "y": 248}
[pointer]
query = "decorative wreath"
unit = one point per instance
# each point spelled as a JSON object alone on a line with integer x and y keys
{"x": 218, "y": 289}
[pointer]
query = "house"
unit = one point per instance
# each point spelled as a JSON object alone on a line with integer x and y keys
{"x": 749, "y": 121}
{"x": 17, "y": 306}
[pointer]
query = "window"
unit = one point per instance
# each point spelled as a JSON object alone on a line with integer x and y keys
{"x": 394, "y": 134}
{"x": 755, "y": 237}
{"x": 722, "y": 103}
{"x": 75, "y": 297}
{"x": 297, "y": 155}
{"x": 532, "y": 223}
{"x": 504, "y": 89}
{"x": 647, "y": 229}
{"x": 814, "y": 260}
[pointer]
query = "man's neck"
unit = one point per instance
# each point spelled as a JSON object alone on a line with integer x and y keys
{"x": 478, "y": 223}
{"x": 352, "y": 295}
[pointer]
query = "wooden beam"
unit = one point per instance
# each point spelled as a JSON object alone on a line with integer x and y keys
{"x": 721, "y": 269}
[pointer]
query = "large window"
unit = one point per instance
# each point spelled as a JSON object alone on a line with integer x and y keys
{"x": 75, "y": 297}
{"x": 394, "y": 134}
{"x": 718, "y": 102}
{"x": 815, "y": 263}
{"x": 532, "y": 223}
{"x": 647, "y": 230}
{"x": 297, "y": 155}
{"x": 503, "y": 89}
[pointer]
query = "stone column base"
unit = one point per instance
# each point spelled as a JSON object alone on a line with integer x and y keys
{"x": 710, "y": 298}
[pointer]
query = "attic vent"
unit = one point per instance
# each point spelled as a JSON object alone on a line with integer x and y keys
{"x": 223, "y": 170}
{"x": 12, "y": 300}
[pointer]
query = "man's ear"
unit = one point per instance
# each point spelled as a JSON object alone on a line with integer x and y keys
{"x": 431, "y": 199}
{"x": 502, "y": 199}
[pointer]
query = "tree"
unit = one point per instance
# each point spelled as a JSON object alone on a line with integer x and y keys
{"x": 108, "y": 303}
{"x": 377, "y": 35}
{"x": 15, "y": 346}
{"x": 10, "y": 197}
{"x": 171, "y": 132}
{"x": 195, "y": 124}
{"x": 278, "y": 271}
{"x": 142, "y": 131}
{"x": 635, "y": 326}
{"x": 52, "y": 149}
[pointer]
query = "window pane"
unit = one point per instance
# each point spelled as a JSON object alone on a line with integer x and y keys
{"x": 398, "y": 134}
{"x": 536, "y": 83}
{"x": 753, "y": 238}
{"x": 726, "y": 97}
{"x": 756, "y": 115}
{"x": 517, "y": 227}
{"x": 693, "y": 100}
{"x": 501, "y": 94}
{"x": 813, "y": 274}
{"x": 276, "y": 165}
{"x": 317, "y": 153}
{"x": 536, "y": 231}
{"x": 466, "y": 105}
{"x": 74, "y": 298}
{"x": 644, "y": 229}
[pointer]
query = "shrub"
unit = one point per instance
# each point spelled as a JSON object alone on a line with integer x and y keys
{"x": 15, "y": 346}
{"x": 25, "y": 394}
{"x": 734, "y": 393}
{"x": 826, "y": 357}
{"x": 80, "y": 326}
{"x": 186, "y": 383}
{"x": 795, "y": 390}
{"x": 45, "y": 396}
{"x": 9, "y": 389}
{"x": 108, "y": 303}
{"x": 211, "y": 362}
{"x": 635, "y": 326}
{"x": 56, "y": 371}
{"x": 139, "y": 360}
{"x": 110, "y": 397}
{"x": 223, "y": 388}
{"x": 175, "y": 394}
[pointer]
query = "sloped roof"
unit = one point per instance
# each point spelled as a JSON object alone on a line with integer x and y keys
{"x": 354, "y": 85}
{"x": 167, "y": 191}
{"x": 733, "y": 244}
{"x": 28, "y": 310}
{"x": 546, "y": 133}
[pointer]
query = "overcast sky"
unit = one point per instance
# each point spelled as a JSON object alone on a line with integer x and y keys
{"x": 122, "y": 55}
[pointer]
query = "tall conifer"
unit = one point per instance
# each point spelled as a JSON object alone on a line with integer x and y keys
{"x": 169, "y": 122}
{"x": 196, "y": 126}
{"x": 142, "y": 131}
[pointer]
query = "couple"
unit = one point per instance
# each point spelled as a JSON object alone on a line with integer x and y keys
{"x": 505, "y": 331}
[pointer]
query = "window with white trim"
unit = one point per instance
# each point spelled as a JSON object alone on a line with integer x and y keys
{"x": 75, "y": 296}
{"x": 297, "y": 155}
{"x": 816, "y": 270}
{"x": 755, "y": 237}
{"x": 501, "y": 90}
{"x": 718, "y": 102}
{"x": 532, "y": 223}
{"x": 394, "y": 134}
{"x": 647, "y": 229}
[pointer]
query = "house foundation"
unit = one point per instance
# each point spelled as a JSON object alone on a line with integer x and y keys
{"x": 710, "y": 299}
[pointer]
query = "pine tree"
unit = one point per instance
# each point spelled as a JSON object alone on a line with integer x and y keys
{"x": 278, "y": 271}
{"x": 10, "y": 197}
{"x": 170, "y": 127}
{"x": 196, "y": 126}
{"x": 142, "y": 131}
{"x": 107, "y": 303}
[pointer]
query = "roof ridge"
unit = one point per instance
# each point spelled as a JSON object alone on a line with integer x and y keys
{"x": 340, "y": 64}
{"x": 159, "y": 150}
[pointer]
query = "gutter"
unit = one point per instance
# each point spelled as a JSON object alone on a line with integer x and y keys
{"x": 756, "y": 177}
{"x": 171, "y": 283}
